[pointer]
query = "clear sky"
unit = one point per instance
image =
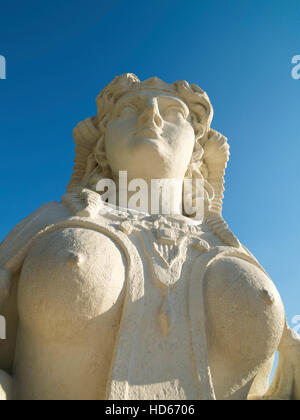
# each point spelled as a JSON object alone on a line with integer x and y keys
{"x": 60, "y": 54}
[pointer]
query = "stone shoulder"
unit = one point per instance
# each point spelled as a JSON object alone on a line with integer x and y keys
{"x": 47, "y": 214}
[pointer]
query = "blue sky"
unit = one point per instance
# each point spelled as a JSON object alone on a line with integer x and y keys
{"x": 60, "y": 54}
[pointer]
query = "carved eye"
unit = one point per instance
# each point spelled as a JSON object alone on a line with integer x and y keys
{"x": 127, "y": 111}
{"x": 173, "y": 114}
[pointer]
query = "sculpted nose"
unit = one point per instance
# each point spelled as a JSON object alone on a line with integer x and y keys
{"x": 151, "y": 116}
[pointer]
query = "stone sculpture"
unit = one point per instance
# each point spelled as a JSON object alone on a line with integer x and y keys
{"x": 105, "y": 302}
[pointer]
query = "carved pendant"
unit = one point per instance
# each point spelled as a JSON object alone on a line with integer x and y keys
{"x": 165, "y": 242}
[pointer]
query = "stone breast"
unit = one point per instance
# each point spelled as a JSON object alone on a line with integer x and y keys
{"x": 245, "y": 312}
{"x": 71, "y": 280}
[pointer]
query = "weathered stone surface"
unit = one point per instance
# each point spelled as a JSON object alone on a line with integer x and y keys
{"x": 115, "y": 303}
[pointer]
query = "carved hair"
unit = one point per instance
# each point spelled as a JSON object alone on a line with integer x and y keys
{"x": 209, "y": 158}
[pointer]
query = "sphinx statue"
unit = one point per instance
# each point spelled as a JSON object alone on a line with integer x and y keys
{"x": 107, "y": 302}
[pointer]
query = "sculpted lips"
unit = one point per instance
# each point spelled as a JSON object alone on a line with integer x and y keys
{"x": 149, "y": 132}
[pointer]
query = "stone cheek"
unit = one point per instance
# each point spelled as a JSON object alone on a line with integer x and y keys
{"x": 71, "y": 281}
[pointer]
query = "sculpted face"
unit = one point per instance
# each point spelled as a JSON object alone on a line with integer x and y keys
{"x": 150, "y": 135}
